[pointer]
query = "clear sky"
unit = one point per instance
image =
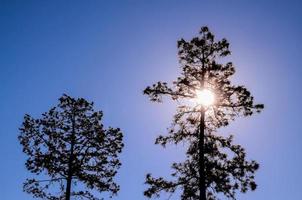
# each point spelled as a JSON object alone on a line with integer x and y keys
{"x": 109, "y": 51}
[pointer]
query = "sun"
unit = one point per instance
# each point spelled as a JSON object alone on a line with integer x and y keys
{"x": 205, "y": 97}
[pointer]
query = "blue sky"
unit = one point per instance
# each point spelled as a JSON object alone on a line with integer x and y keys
{"x": 109, "y": 51}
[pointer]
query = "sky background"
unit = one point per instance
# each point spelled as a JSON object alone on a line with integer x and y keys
{"x": 109, "y": 51}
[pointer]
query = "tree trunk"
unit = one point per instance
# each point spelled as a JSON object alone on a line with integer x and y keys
{"x": 69, "y": 177}
{"x": 70, "y": 161}
{"x": 202, "y": 186}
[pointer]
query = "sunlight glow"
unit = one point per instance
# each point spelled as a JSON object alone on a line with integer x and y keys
{"x": 205, "y": 97}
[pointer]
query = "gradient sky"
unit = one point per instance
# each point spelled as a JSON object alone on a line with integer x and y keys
{"x": 109, "y": 51}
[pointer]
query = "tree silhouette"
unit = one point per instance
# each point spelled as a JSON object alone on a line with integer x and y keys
{"x": 213, "y": 165}
{"x": 69, "y": 146}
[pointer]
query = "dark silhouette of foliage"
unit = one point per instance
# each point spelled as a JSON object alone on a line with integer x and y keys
{"x": 226, "y": 168}
{"x": 69, "y": 146}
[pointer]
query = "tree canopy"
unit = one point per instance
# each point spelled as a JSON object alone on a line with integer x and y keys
{"x": 226, "y": 169}
{"x": 69, "y": 146}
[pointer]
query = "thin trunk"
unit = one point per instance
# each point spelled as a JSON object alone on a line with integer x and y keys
{"x": 70, "y": 161}
{"x": 69, "y": 177}
{"x": 202, "y": 185}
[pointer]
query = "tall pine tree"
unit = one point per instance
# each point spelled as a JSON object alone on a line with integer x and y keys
{"x": 213, "y": 164}
{"x": 71, "y": 152}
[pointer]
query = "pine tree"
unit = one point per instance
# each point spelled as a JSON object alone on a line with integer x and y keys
{"x": 213, "y": 164}
{"x": 70, "y": 152}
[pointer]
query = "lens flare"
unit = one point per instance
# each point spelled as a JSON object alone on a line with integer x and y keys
{"x": 205, "y": 97}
